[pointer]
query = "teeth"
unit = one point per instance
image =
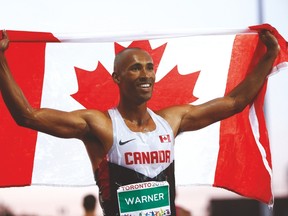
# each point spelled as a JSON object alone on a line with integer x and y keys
{"x": 145, "y": 85}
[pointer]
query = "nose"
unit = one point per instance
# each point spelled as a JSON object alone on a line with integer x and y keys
{"x": 146, "y": 76}
{"x": 143, "y": 72}
{"x": 147, "y": 71}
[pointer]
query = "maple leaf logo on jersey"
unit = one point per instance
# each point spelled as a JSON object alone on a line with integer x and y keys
{"x": 97, "y": 89}
{"x": 165, "y": 138}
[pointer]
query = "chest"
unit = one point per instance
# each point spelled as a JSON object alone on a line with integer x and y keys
{"x": 148, "y": 153}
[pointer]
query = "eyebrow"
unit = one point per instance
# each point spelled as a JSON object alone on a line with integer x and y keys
{"x": 135, "y": 65}
{"x": 140, "y": 65}
{"x": 150, "y": 64}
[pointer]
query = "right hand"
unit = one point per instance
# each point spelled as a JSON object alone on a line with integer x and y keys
{"x": 4, "y": 42}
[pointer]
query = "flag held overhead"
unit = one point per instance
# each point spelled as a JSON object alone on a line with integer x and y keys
{"x": 68, "y": 75}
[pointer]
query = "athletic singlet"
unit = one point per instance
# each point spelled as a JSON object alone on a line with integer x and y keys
{"x": 136, "y": 157}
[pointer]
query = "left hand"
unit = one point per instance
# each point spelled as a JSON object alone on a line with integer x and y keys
{"x": 270, "y": 41}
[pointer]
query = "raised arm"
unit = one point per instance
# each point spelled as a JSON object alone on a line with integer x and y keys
{"x": 77, "y": 124}
{"x": 189, "y": 117}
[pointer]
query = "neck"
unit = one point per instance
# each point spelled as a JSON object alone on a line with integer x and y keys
{"x": 136, "y": 118}
{"x": 132, "y": 110}
{"x": 136, "y": 114}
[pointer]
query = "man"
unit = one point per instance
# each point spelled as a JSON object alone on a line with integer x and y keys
{"x": 130, "y": 137}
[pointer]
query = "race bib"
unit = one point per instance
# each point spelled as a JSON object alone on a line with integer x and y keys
{"x": 144, "y": 199}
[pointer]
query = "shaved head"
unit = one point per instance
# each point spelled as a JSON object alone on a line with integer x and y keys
{"x": 119, "y": 58}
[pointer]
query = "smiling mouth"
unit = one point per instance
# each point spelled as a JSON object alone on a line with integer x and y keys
{"x": 145, "y": 85}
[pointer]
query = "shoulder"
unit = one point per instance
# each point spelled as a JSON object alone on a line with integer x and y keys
{"x": 92, "y": 114}
{"x": 174, "y": 111}
{"x": 94, "y": 118}
{"x": 174, "y": 115}
{"x": 99, "y": 126}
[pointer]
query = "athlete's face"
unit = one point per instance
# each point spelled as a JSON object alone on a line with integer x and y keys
{"x": 135, "y": 75}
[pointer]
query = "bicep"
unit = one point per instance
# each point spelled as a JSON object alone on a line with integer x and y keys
{"x": 58, "y": 123}
{"x": 200, "y": 116}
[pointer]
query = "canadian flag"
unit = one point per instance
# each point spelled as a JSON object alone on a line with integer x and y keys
{"x": 73, "y": 72}
{"x": 165, "y": 138}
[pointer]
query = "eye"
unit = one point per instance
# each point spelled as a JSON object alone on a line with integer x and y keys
{"x": 135, "y": 67}
{"x": 150, "y": 67}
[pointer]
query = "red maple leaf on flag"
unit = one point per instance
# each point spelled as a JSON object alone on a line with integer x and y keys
{"x": 97, "y": 89}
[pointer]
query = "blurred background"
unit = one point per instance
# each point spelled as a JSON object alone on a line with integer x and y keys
{"x": 63, "y": 16}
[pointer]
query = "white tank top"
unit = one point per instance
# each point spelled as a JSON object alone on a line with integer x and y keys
{"x": 148, "y": 153}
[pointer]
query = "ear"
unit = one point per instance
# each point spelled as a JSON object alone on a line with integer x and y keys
{"x": 115, "y": 77}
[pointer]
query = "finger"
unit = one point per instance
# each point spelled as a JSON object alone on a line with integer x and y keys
{"x": 264, "y": 33}
{"x": 267, "y": 36}
{"x": 4, "y": 34}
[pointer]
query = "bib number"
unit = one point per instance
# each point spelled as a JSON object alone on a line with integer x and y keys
{"x": 144, "y": 199}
